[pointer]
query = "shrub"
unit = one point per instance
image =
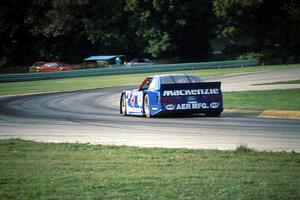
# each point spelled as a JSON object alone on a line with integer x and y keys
{"x": 252, "y": 56}
{"x": 3, "y": 61}
{"x": 243, "y": 148}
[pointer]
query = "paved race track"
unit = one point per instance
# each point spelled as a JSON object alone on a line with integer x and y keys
{"x": 92, "y": 116}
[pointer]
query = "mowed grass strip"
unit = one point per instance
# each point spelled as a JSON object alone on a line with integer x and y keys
{"x": 32, "y": 170}
{"x": 69, "y": 84}
{"x": 260, "y": 100}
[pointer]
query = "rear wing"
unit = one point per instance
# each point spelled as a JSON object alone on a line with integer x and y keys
{"x": 191, "y": 89}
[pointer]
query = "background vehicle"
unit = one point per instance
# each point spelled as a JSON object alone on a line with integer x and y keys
{"x": 50, "y": 67}
{"x": 140, "y": 62}
{"x": 33, "y": 68}
{"x": 175, "y": 93}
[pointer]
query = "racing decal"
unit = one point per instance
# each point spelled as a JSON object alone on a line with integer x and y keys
{"x": 170, "y": 107}
{"x": 134, "y": 110}
{"x": 191, "y": 92}
{"x": 127, "y": 93}
{"x": 191, "y": 106}
{"x": 191, "y": 98}
{"x": 140, "y": 99}
{"x": 214, "y": 105}
{"x": 132, "y": 99}
{"x": 192, "y": 102}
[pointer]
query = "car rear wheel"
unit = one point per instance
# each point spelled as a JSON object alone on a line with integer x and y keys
{"x": 123, "y": 106}
{"x": 213, "y": 114}
{"x": 147, "y": 107}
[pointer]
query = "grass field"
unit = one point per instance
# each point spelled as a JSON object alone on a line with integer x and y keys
{"x": 70, "y": 84}
{"x": 32, "y": 170}
{"x": 259, "y": 100}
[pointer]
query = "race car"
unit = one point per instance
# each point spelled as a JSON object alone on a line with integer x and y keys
{"x": 173, "y": 93}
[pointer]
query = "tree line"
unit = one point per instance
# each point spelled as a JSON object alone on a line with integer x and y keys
{"x": 193, "y": 30}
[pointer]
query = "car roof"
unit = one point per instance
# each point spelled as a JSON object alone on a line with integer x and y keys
{"x": 174, "y": 75}
{"x": 164, "y": 75}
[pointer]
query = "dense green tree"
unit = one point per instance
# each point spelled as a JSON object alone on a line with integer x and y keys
{"x": 267, "y": 26}
{"x": 294, "y": 25}
{"x": 171, "y": 27}
{"x": 106, "y": 27}
{"x": 15, "y": 39}
{"x": 58, "y": 25}
{"x": 70, "y": 30}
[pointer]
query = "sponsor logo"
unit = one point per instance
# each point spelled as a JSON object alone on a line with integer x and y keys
{"x": 214, "y": 105}
{"x": 132, "y": 99}
{"x": 140, "y": 99}
{"x": 134, "y": 110}
{"x": 170, "y": 107}
{"x": 191, "y": 106}
{"x": 191, "y": 92}
{"x": 191, "y": 98}
{"x": 192, "y": 102}
{"x": 127, "y": 93}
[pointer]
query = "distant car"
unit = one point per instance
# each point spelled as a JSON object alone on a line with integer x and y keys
{"x": 140, "y": 62}
{"x": 33, "y": 68}
{"x": 173, "y": 93}
{"x": 49, "y": 67}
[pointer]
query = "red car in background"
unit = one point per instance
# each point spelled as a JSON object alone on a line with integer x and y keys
{"x": 50, "y": 67}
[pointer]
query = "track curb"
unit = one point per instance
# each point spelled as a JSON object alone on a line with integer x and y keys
{"x": 287, "y": 114}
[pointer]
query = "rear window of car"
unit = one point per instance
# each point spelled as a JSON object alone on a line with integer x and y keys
{"x": 167, "y": 80}
{"x": 195, "y": 79}
{"x": 180, "y": 79}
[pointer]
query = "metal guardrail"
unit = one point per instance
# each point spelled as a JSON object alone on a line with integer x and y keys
{"x": 124, "y": 70}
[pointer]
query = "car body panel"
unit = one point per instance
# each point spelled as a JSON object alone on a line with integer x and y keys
{"x": 50, "y": 67}
{"x": 185, "y": 97}
{"x": 140, "y": 62}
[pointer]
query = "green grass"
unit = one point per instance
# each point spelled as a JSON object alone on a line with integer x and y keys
{"x": 70, "y": 84}
{"x": 32, "y": 170}
{"x": 259, "y": 100}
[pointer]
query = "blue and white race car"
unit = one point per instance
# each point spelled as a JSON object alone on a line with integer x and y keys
{"x": 173, "y": 93}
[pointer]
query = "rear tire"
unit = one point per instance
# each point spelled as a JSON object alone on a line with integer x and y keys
{"x": 147, "y": 107}
{"x": 123, "y": 105}
{"x": 213, "y": 114}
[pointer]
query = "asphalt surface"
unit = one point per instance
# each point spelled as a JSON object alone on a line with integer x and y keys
{"x": 92, "y": 116}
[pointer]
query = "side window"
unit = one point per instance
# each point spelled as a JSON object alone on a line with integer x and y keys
{"x": 195, "y": 79}
{"x": 52, "y": 65}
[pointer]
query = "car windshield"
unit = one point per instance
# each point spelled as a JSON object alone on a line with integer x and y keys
{"x": 173, "y": 79}
{"x": 37, "y": 64}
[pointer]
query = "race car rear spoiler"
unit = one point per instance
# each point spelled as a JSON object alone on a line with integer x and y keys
{"x": 188, "y": 89}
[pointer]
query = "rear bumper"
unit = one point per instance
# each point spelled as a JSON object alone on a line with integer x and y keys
{"x": 163, "y": 112}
